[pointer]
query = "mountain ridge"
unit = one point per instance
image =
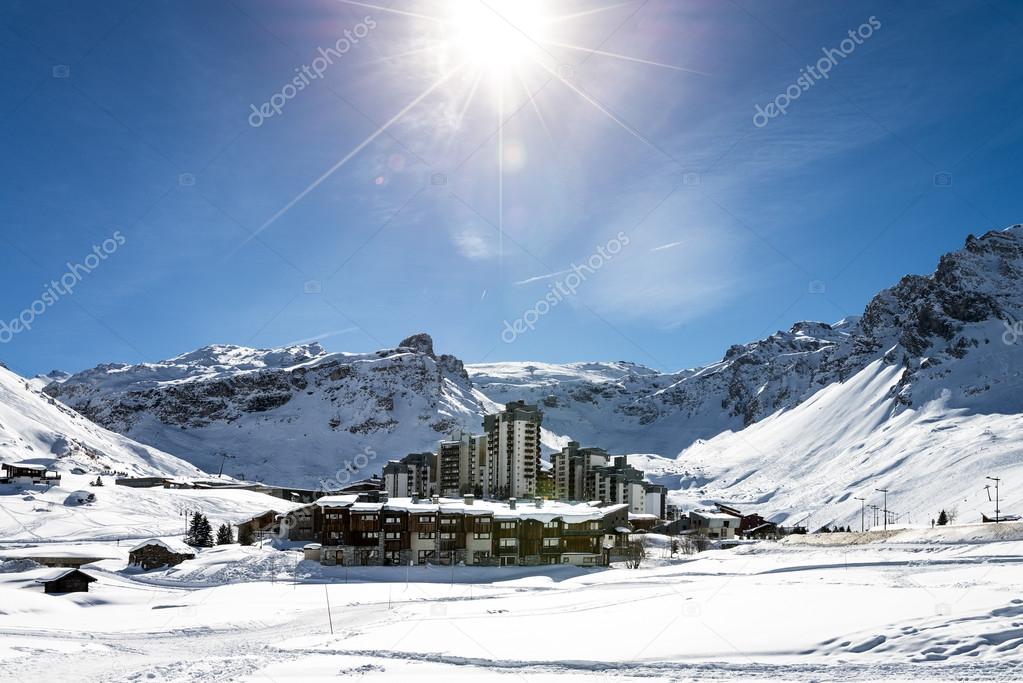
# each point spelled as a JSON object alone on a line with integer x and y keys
{"x": 926, "y": 325}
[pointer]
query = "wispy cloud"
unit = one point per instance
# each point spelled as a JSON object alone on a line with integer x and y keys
{"x": 322, "y": 336}
{"x": 472, "y": 245}
{"x": 669, "y": 245}
{"x": 538, "y": 278}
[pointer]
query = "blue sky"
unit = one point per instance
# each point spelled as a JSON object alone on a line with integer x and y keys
{"x": 387, "y": 197}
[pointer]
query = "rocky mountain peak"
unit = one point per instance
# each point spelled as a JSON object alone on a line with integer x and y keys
{"x": 420, "y": 343}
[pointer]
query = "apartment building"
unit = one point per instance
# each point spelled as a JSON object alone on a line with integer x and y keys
{"x": 513, "y": 452}
{"x": 464, "y": 531}
{"x": 573, "y": 471}
{"x": 413, "y": 475}
{"x": 459, "y": 461}
{"x": 620, "y": 482}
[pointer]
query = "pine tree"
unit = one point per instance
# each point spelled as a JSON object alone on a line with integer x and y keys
{"x": 224, "y": 535}
{"x": 943, "y": 518}
{"x": 245, "y": 535}
{"x": 200, "y": 532}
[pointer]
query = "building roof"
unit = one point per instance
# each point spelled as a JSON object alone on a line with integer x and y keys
{"x": 48, "y": 575}
{"x": 713, "y": 514}
{"x": 171, "y": 544}
{"x": 26, "y": 466}
{"x": 551, "y": 510}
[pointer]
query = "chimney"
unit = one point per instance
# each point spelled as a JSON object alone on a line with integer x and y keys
{"x": 539, "y": 502}
{"x": 415, "y": 499}
{"x": 511, "y": 503}
{"x": 469, "y": 499}
{"x": 436, "y": 500}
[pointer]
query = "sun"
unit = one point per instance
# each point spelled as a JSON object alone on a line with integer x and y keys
{"x": 497, "y": 36}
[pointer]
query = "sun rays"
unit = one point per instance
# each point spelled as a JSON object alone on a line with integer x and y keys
{"x": 498, "y": 46}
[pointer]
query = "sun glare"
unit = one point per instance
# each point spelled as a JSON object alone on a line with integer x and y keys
{"x": 497, "y": 35}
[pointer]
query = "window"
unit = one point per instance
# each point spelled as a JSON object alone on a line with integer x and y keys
{"x": 509, "y": 542}
{"x": 368, "y": 535}
{"x": 447, "y": 536}
{"x": 507, "y": 525}
{"x": 551, "y": 542}
{"x": 392, "y": 558}
{"x": 427, "y": 535}
{"x": 392, "y": 520}
{"x": 427, "y": 519}
{"x": 594, "y": 526}
{"x": 480, "y": 556}
{"x": 426, "y": 556}
{"x": 448, "y": 520}
{"x": 481, "y": 535}
{"x": 550, "y": 525}
{"x": 335, "y": 535}
{"x": 392, "y": 536}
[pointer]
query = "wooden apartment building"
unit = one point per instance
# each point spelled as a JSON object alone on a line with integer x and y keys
{"x": 446, "y": 531}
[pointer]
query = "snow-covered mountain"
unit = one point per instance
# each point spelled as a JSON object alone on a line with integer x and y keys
{"x": 292, "y": 415}
{"x": 928, "y": 356}
{"x": 925, "y": 400}
{"x": 35, "y": 428}
{"x": 944, "y": 331}
{"x": 629, "y": 408}
{"x": 40, "y": 382}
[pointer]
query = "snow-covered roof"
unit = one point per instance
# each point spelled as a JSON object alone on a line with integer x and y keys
{"x": 46, "y": 575}
{"x": 641, "y": 515}
{"x": 713, "y": 514}
{"x": 26, "y": 466}
{"x": 551, "y": 510}
{"x": 171, "y": 544}
{"x": 337, "y": 501}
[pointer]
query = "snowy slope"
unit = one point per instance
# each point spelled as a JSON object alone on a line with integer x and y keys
{"x": 930, "y": 408}
{"x": 853, "y": 438}
{"x": 289, "y": 416}
{"x": 36, "y": 428}
{"x": 46, "y": 515}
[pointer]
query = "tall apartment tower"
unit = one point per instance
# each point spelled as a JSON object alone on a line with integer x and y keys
{"x": 413, "y": 475}
{"x": 513, "y": 451}
{"x": 573, "y": 471}
{"x": 459, "y": 460}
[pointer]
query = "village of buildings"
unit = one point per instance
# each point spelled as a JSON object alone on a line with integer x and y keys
{"x": 478, "y": 500}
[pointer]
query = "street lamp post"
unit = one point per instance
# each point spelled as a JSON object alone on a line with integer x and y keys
{"x": 863, "y": 510}
{"x": 885, "y": 492}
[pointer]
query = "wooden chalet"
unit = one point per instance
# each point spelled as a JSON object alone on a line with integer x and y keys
{"x": 66, "y": 581}
{"x": 160, "y": 552}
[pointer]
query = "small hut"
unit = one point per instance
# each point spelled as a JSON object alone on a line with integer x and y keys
{"x": 66, "y": 581}
{"x": 160, "y": 552}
